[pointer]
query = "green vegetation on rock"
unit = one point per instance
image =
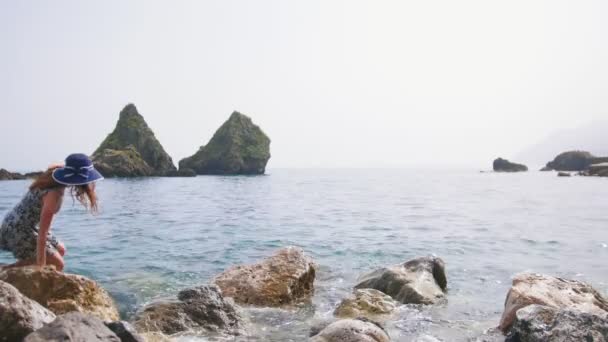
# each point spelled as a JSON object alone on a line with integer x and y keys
{"x": 132, "y": 150}
{"x": 237, "y": 147}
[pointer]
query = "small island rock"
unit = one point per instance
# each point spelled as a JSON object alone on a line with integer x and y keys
{"x": 61, "y": 292}
{"x": 368, "y": 303}
{"x": 352, "y": 330}
{"x": 282, "y": 279}
{"x": 503, "y": 165}
{"x": 529, "y": 288}
{"x": 132, "y": 150}
{"x": 201, "y": 307}
{"x": 238, "y": 147}
{"x": 563, "y": 174}
{"x": 538, "y": 323}
{"x": 418, "y": 281}
{"x": 7, "y": 175}
{"x": 19, "y": 315}
{"x": 76, "y": 327}
{"x": 571, "y": 161}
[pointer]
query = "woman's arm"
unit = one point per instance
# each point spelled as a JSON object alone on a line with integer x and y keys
{"x": 50, "y": 202}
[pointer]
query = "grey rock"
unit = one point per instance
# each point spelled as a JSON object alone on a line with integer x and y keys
{"x": 202, "y": 307}
{"x": 125, "y": 331}
{"x": 538, "y": 323}
{"x": 74, "y": 327}
{"x": 352, "y": 330}
{"x": 418, "y": 281}
{"x": 563, "y": 174}
{"x": 20, "y": 315}
{"x": 571, "y": 161}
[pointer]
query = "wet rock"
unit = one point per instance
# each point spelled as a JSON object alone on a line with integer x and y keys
{"x": 538, "y": 323}
{"x": 529, "y": 288}
{"x": 571, "y": 161}
{"x": 563, "y": 174}
{"x": 418, "y": 281}
{"x": 76, "y": 327}
{"x": 368, "y": 303}
{"x": 284, "y": 278}
{"x": 61, "y": 292}
{"x": 503, "y": 165}
{"x": 19, "y": 315}
{"x": 352, "y": 330}
{"x": 132, "y": 143}
{"x": 199, "y": 308}
{"x": 7, "y": 175}
{"x": 125, "y": 331}
{"x": 237, "y": 147}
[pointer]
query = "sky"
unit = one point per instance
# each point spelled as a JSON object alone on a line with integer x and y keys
{"x": 333, "y": 83}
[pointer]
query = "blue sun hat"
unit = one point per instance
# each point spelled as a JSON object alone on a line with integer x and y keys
{"x": 78, "y": 170}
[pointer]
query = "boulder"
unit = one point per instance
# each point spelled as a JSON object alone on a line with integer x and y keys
{"x": 19, "y": 315}
{"x": 529, "y": 288}
{"x": 545, "y": 169}
{"x": 7, "y": 175}
{"x": 61, "y": 292}
{"x": 563, "y": 174}
{"x": 538, "y": 323}
{"x": 125, "y": 331}
{"x": 199, "y": 308}
{"x": 284, "y": 278}
{"x": 503, "y": 165}
{"x": 418, "y": 281}
{"x": 75, "y": 327}
{"x": 368, "y": 303}
{"x": 352, "y": 330}
{"x": 132, "y": 134}
{"x": 237, "y": 147}
{"x": 122, "y": 163}
{"x": 571, "y": 161}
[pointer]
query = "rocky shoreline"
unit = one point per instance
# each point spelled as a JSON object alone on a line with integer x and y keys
{"x": 582, "y": 162}
{"x": 44, "y": 303}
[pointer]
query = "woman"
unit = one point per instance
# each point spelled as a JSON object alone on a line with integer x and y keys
{"x": 25, "y": 231}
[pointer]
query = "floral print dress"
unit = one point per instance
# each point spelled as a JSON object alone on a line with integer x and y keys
{"x": 19, "y": 229}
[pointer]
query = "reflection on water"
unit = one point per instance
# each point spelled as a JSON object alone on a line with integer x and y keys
{"x": 156, "y": 236}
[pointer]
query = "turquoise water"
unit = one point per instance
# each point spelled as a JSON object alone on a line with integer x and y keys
{"x": 158, "y": 235}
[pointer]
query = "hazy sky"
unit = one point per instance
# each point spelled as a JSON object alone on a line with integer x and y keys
{"x": 333, "y": 83}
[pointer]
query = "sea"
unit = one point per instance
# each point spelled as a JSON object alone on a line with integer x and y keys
{"x": 156, "y": 236}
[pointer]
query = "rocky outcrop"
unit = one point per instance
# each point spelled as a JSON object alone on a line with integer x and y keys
{"x": 76, "y": 327}
{"x": 418, "y": 281}
{"x": 503, "y": 165}
{"x": 529, "y": 288}
{"x": 61, "y": 292}
{"x": 122, "y": 163}
{"x": 563, "y": 174}
{"x": 199, "y": 308}
{"x": 368, "y": 303}
{"x": 600, "y": 169}
{"x": 132, "y": 150}
{"x": 19, "y": 315}
{"x": 571, "y": 161}
{"x": 7, "y": 175}
{"x": 352, "y": 330}
{"x": 545, "y": 169}
{"x": 538, "y": 323}
{"x": 284, "y": 278}
{"x": 237, "y": 147}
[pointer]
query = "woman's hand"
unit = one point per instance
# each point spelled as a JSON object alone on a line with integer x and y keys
{"x": 50, "y": 204}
